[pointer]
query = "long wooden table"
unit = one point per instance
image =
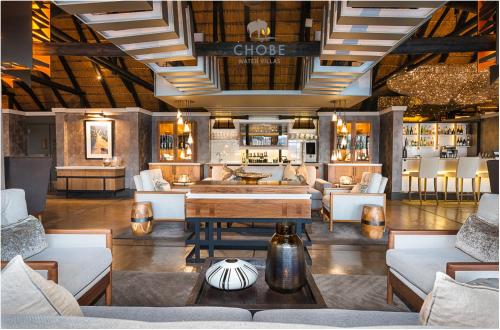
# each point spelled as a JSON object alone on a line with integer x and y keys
{"x": 210, "y": 204}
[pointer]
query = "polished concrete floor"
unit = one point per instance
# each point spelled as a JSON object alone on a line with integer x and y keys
{"x": 75, "y": 213}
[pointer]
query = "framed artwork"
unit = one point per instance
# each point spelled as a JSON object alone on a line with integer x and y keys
{"x": 99, "y": 139}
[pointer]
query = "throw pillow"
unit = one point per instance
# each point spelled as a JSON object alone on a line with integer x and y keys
{"x": 161, "y": 184}
{"x": 457, "y": 305}
{"x": 302, "y": 174}
{"x": 26, "y": 238}
{"x": 489, "y": 282}
{"x": 24, "y": 291}
{"x": 479, "y": 239}
{"x": 289, "y": 173}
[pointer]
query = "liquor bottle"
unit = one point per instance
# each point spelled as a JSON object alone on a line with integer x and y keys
{"x": 405, "y": 152}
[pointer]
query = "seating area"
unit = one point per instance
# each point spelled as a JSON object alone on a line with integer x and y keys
{"x": 249, "y": 164}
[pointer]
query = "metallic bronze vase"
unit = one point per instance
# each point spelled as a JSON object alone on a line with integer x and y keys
{"x": 285, "y": 264}
{"x": 141, "y": 218}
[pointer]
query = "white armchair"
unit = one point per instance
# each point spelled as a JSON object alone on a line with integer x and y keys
{"x": 167, "y": 205}
{"x": 414, "y": 256}
{"x": 342, "y": 205}
{"x": 80, "y": 260}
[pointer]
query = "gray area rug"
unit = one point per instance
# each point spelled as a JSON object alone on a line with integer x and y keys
{"x": 344, "y": 233}
{"x": 173, "y": 234}
{"x": 164, "y": 234}
{"x": 365, "y": 292}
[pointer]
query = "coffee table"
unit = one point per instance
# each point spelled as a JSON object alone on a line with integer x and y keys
{"x": 257, "y": 297}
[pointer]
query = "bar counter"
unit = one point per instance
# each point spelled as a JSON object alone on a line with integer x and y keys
{"x": 446, "y": 165}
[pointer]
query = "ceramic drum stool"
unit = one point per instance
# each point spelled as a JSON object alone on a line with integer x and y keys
{"x": 141, "y": 218}
{"x": 373, "y": 221}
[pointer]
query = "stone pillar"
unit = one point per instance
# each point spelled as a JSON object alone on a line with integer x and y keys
{"x": 14, "y": 137}
{"x": 324, "y": 142}
{"x": 391, "y": 149}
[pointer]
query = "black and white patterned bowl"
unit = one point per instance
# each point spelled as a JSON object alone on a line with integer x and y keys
{"x": 231, "y": 274}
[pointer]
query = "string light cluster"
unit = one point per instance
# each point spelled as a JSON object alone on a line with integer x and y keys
{"x": 182, "y": 120}
{"x": 443, "y": 84}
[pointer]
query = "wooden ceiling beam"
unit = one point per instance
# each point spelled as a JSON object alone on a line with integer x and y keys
{"x": 129, "y": 86}
{"x": 32, "y": 94}
{"x": 452, "y": 44}
{"x": 305, "y": 10}
{"x": 439, "y": 22}
{"x": 83, "y": 98}
{"x": 56, "y": 92}
{"x": 77, "y": 49}
{"x": 11, "y": 98}
{"x": 99, "y": 73}
{"x": 54, "y": 85}
{"x": 247, "y": 38}
{"x": 225, "y": 64}
{"x": 272, "y": 65}
{"x": 62, "y": 36}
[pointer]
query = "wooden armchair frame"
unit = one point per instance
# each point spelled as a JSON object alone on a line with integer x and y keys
{"x": 410, "y": 298}
{"x": 102, "y": 286}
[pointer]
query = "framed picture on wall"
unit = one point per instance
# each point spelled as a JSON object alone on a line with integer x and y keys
{"x": 99, "y": 139}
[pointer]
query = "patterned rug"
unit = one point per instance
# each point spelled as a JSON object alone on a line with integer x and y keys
{"x": 363, "y": 292}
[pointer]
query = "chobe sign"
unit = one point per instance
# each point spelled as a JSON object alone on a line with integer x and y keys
{"x": 260, "y": 31}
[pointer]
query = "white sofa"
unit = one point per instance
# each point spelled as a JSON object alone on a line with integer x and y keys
{"x": 414, "y": 256}
{"x": 342, "y": 205}
{"x": 316, "y": 186}
{"x": 167, "y": 205}
{"x": 78, "y": 259}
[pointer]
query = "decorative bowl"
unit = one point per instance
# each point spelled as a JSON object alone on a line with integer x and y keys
{"x": 231, "y": 274}
{"x": 251, "y": 178}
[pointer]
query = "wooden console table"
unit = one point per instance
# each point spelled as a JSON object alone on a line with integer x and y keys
{"x": 90, "y": 178}
{"x": 212, "y": 203}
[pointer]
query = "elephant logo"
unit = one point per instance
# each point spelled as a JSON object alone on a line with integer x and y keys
{"x": 260, "y": 28}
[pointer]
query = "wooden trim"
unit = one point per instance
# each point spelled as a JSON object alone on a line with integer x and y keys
{"x": 170, "y": 192}
{"x": 50, "y": 266}
{"x": 394, "y": 232}
{"x": 95, "y": 292}
{"x": 453, "y": 267}
{"x": 410, "y": 298}
{"x": 107, "y": 232}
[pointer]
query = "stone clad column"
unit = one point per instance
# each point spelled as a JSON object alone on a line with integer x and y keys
{"x": 324, "y": 131}
{"x": 391, "y": 149}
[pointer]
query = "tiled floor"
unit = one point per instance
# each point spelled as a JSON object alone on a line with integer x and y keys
{"x": 327, "y": 259}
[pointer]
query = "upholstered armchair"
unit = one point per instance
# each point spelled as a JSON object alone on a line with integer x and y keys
{"x": 80, "y": 260}
{"x": 414, "y": 256}
{"x": 343, "y": 205}
{"x": 167, "y": 205}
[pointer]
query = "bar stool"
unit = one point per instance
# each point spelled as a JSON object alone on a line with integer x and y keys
{"x": 466, "y": 169}
{"x": 427, "y": 169}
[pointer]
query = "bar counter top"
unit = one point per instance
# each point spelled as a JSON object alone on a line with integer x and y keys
{"x": 89, "y": 167}
{"x": 174, "y": 164}
{"x": 261, "y": 164}
{"x": 353, "y": 164}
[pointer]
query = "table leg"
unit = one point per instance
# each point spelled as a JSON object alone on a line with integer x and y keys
{"x": 197, "y": 241}
{"x": 219, "y": 230}
{"x": 210, "y": 225}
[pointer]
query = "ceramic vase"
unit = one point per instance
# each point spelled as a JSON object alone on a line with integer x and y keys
{"x": 231, "y": 274}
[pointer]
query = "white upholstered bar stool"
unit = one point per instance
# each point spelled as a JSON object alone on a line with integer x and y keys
{"x": 466, "y": 169}
{"x": 427, "y": 169}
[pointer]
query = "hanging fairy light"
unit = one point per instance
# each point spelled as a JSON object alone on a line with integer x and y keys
{"x": 183, "y": 154}
{"x": 340, "y": 122}
{"x": 187, "y": 129}
{"x": 343, "y": 130}
{"x": 334, "y": 155}
{"x": 179, "y": 113}
{"x": 180, "y": 121}
{"x": 343, "y": 142}
{"x": 190, "y": 139}
{"x": 334, "y": 116}
{"x": 188, "y": 151}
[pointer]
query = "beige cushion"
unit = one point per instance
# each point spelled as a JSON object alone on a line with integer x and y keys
{"x": 289, "y": 173}
{"x": 456, "y": 305}
{"x": 24, "y": 291}
{"x": 161, "y": 184}
{"x": 13, "y": 206}
{"x": 302, "y": 174}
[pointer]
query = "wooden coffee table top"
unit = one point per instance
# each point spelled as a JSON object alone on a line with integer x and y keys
{"x": 257, "y": 297}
